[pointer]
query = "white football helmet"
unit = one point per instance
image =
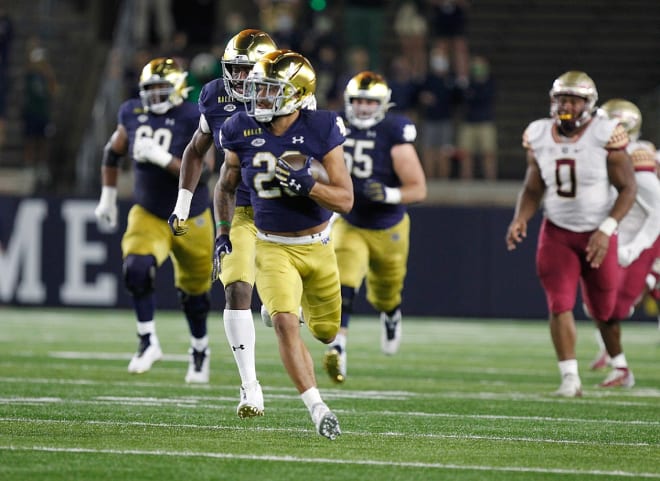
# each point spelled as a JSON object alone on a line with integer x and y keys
{"x": 241, "y": 53}
{"x": 162, "y": 85}
{"x": 371, "y": 86}
{"x": 578, "y": 84}
{"x": 280, "y": 83}
{"x": 625, "y": 112}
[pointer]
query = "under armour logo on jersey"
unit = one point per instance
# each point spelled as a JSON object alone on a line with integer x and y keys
{"x": 240, "y": 346}
{"x": 371, "y": 134}
{"x": 169, "y": 121}
{"x": 298, "y": 140}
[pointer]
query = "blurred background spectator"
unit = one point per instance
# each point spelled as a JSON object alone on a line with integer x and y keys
{"x": 364, "y": 25}
{"x": 448, "y": 25}
{"x": 477, "y": 133}
{"x": 437, "y": 98}
{"x": 40, "y": 88}
{"x": 160, "y": 13}
{"x": 6, "y": 37}
{"x": 411, "y": 29}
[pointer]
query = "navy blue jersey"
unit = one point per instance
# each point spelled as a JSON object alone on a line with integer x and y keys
{"x": 314, "y": 133}
{"x": 155, "y": 188}
{"x": 367, "y": 154}
{"x": 217, "y": 105}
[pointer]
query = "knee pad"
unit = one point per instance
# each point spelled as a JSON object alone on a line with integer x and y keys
{"x": 139, "y": 274}
{"x": 195, "y": 307}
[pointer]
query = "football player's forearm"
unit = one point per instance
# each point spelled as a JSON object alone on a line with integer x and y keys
{"x": 191, "y": 169}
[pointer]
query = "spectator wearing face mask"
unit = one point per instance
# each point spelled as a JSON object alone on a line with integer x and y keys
{"x": 437, "y": 98}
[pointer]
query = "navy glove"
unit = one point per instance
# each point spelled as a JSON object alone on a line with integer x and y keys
{"x": 297, "y": 181}
{"x": 222, "y": 248}
{"x": 177, "y": 226}
{"x": 374, "y": 190}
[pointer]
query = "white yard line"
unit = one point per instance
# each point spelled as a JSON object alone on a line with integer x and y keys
{"x": 333, "y": 461}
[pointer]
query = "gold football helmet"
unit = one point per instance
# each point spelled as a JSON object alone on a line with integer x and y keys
{"x": 625, "y": 112}
{"x": 370, "y": 86}
{"x": 241, "y": 53}
{"x": 578, "y": 84}
{"x": 162, "y": 85}
{"x": 280, "y": 83}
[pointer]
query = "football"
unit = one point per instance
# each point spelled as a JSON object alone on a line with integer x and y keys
{"x": 297, "y": 162}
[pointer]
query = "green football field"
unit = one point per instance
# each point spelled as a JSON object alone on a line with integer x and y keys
{"x": 463, "y": 400}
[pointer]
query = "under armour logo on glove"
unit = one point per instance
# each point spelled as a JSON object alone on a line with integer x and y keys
{"x": 297, "y": 181}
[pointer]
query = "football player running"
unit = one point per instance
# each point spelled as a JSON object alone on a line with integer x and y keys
{"x": 639, "y": 244}
{"x": 372, "y": 240}
{"x": 220, "y": 99}
{"x": 295, "y": 260}
{"x": 153, "y": 131}
{"x": 573, "y": 160}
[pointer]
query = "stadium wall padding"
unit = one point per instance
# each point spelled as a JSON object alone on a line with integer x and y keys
{"x": 53, "y": 254}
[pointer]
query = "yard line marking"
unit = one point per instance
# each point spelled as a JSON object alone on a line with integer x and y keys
{"x": 332, "y": 461}
{"x": 352, "y": 433}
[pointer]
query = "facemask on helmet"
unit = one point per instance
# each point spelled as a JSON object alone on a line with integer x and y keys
{"x": 577, "y": 84}
{"x": 626, "y": 113}
{"x": 367, "y": 86}
{"x": 241, "y": 53}
{"x": 280, "y": 83}
{"x": 162, "y": 85}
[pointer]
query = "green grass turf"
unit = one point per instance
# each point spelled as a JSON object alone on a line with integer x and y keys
{"x": 463, "y": 400}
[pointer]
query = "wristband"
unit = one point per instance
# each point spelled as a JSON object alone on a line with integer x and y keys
{"x": 183, "y": 201}
{"x": 392, "y": 195}
{"x": 608, "y": 226}
{"x": 220, "y": 223}
{"x": 108, "y": 195}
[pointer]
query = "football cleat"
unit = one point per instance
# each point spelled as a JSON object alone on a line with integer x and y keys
{"x": 571, "y": 386}
{"x": 390, "y": 338}
{"x": 325, "y": 421}
{"x": 334, "y": 363}
{"x": 148, "y": 353}
{"x": 252, "y": 401}
{"x": 199, "y": 368}
{"x": 601, "y": 362}
{"x": 619, "y": 377}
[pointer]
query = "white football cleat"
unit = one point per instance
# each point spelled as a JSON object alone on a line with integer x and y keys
{"x": 390, "y": 338}
{"x": 252, "y": 401}
{"x": 325, "y": 421}
{"x": 619, "y": 377}
{"x": 148, "y": 353}
{"x": 199, "y": 366}
{"x": 571, "y": 386}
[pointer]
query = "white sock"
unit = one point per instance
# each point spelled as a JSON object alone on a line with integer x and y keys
{"x": 340, "y": 340}
{"x": 619, "y": 362}
{"x": 599, "y": 341}
{"x": 311, "y": 397}
{"x": 569, "y": 366}
{"x": 148, "y": 327}
{"x": 199, "y": 344}
{"x": 239, "y": 329}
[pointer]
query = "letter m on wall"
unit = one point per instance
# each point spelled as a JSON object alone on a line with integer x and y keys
{"x": 20, "y": 262}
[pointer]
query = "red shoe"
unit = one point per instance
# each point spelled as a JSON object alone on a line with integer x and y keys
{"x": 601, "y": 362}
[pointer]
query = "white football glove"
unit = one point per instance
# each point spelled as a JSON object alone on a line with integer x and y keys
{"x": 147, "y": 149}
{"x": 628, "y": 254}
{"x": 106, "y": 210}
{"x": 177, "y": 220}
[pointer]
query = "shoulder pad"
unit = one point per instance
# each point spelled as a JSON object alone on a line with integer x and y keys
{"x": 535, "y": 131}
{"x": 642, "y": 155}
{"x": 609, "y": 132}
